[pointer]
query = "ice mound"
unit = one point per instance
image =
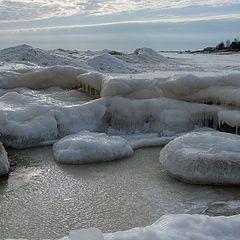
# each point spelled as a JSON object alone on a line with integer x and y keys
{"x": 148, "y": 55}
{"x": 86, "y": 147}
{"x": 204, "y": 157}
{"x": 4, "y": 164}
{"x": 108, "y": 63}
{"x": 25, "y": 53}
{"x": 172, "y": 227}
{"x": 58, "y": 76}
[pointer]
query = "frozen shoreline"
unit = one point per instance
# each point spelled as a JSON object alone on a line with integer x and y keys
{"x": 44, "y": 96}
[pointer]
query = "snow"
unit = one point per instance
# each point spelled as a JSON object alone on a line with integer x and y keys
{"x": 203, "y": 157}
{"x": 87, "y": 147}
{"x": 169, "y": 227}
{"x": 4, "y": 164}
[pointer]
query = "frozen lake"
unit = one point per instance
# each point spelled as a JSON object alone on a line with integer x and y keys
{"x": 42, "y": 199}
{"x": 44, "y": 96}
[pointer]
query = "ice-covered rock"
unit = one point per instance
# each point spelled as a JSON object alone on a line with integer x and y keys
{"x": 203, "y": 157}
{"x": 173, "y": 227}
{"x": 4, "y": 164}
{"x": 86, "y": 147}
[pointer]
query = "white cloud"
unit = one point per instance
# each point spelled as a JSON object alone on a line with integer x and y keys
{"x": 145, "y": 21}
{"x": 24, "y": 10}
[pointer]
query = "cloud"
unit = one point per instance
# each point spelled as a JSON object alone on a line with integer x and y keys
{"x": 126, "y": 22}
{"x": 28, "y": 10}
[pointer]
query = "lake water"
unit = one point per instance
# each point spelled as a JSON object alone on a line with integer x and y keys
{"x": 42, "y": 199}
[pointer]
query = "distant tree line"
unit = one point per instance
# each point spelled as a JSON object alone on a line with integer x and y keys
{"x": 228, "y": 45}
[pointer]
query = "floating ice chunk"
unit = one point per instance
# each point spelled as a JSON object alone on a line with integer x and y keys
{"x": 4, "y": 164}
{"x": 176, "y": 227}
{"x": 204, "y": 157}
{"x": 87, "y": 147}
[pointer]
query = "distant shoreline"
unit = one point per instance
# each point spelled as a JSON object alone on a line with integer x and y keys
{"x": 220, "y": 52}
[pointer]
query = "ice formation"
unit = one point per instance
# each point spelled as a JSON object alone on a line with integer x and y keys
{"x": 29, "y": 119}
{"x": 4, "y": 164}
{"x": 87, "y": 147}
{"x": 157, "y": 115}
{"x": 169, "y": 227}
{"x": 204, "y": 157}
{"x": 57, "y": 76}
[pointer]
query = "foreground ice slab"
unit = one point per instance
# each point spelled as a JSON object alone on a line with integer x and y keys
{"x": 169, "y": 227}
{"x": 4, "y": 164}
{"x": 87, "y": 147}
{"x": 204, "y": 157}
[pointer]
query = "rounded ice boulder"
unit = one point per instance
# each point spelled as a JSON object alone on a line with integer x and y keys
{"x": 4, "y": 164}
{"x": 203, "y": 158}
{"x": 87, "y": 147}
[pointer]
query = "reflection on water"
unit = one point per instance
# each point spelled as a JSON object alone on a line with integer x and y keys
{"x": 43, "y": 199}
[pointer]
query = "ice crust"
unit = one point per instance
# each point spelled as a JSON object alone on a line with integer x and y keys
{"x": 87, "y": 147}
{"x": 204, "y": 157}
{"x": 4, "y": 163}
{"x": 169, "y": 227}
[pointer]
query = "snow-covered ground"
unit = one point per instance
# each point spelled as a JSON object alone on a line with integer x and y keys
{"x": 142, "y": 99}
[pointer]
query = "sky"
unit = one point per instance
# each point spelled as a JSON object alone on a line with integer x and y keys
{"x": 118, "y": 24}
